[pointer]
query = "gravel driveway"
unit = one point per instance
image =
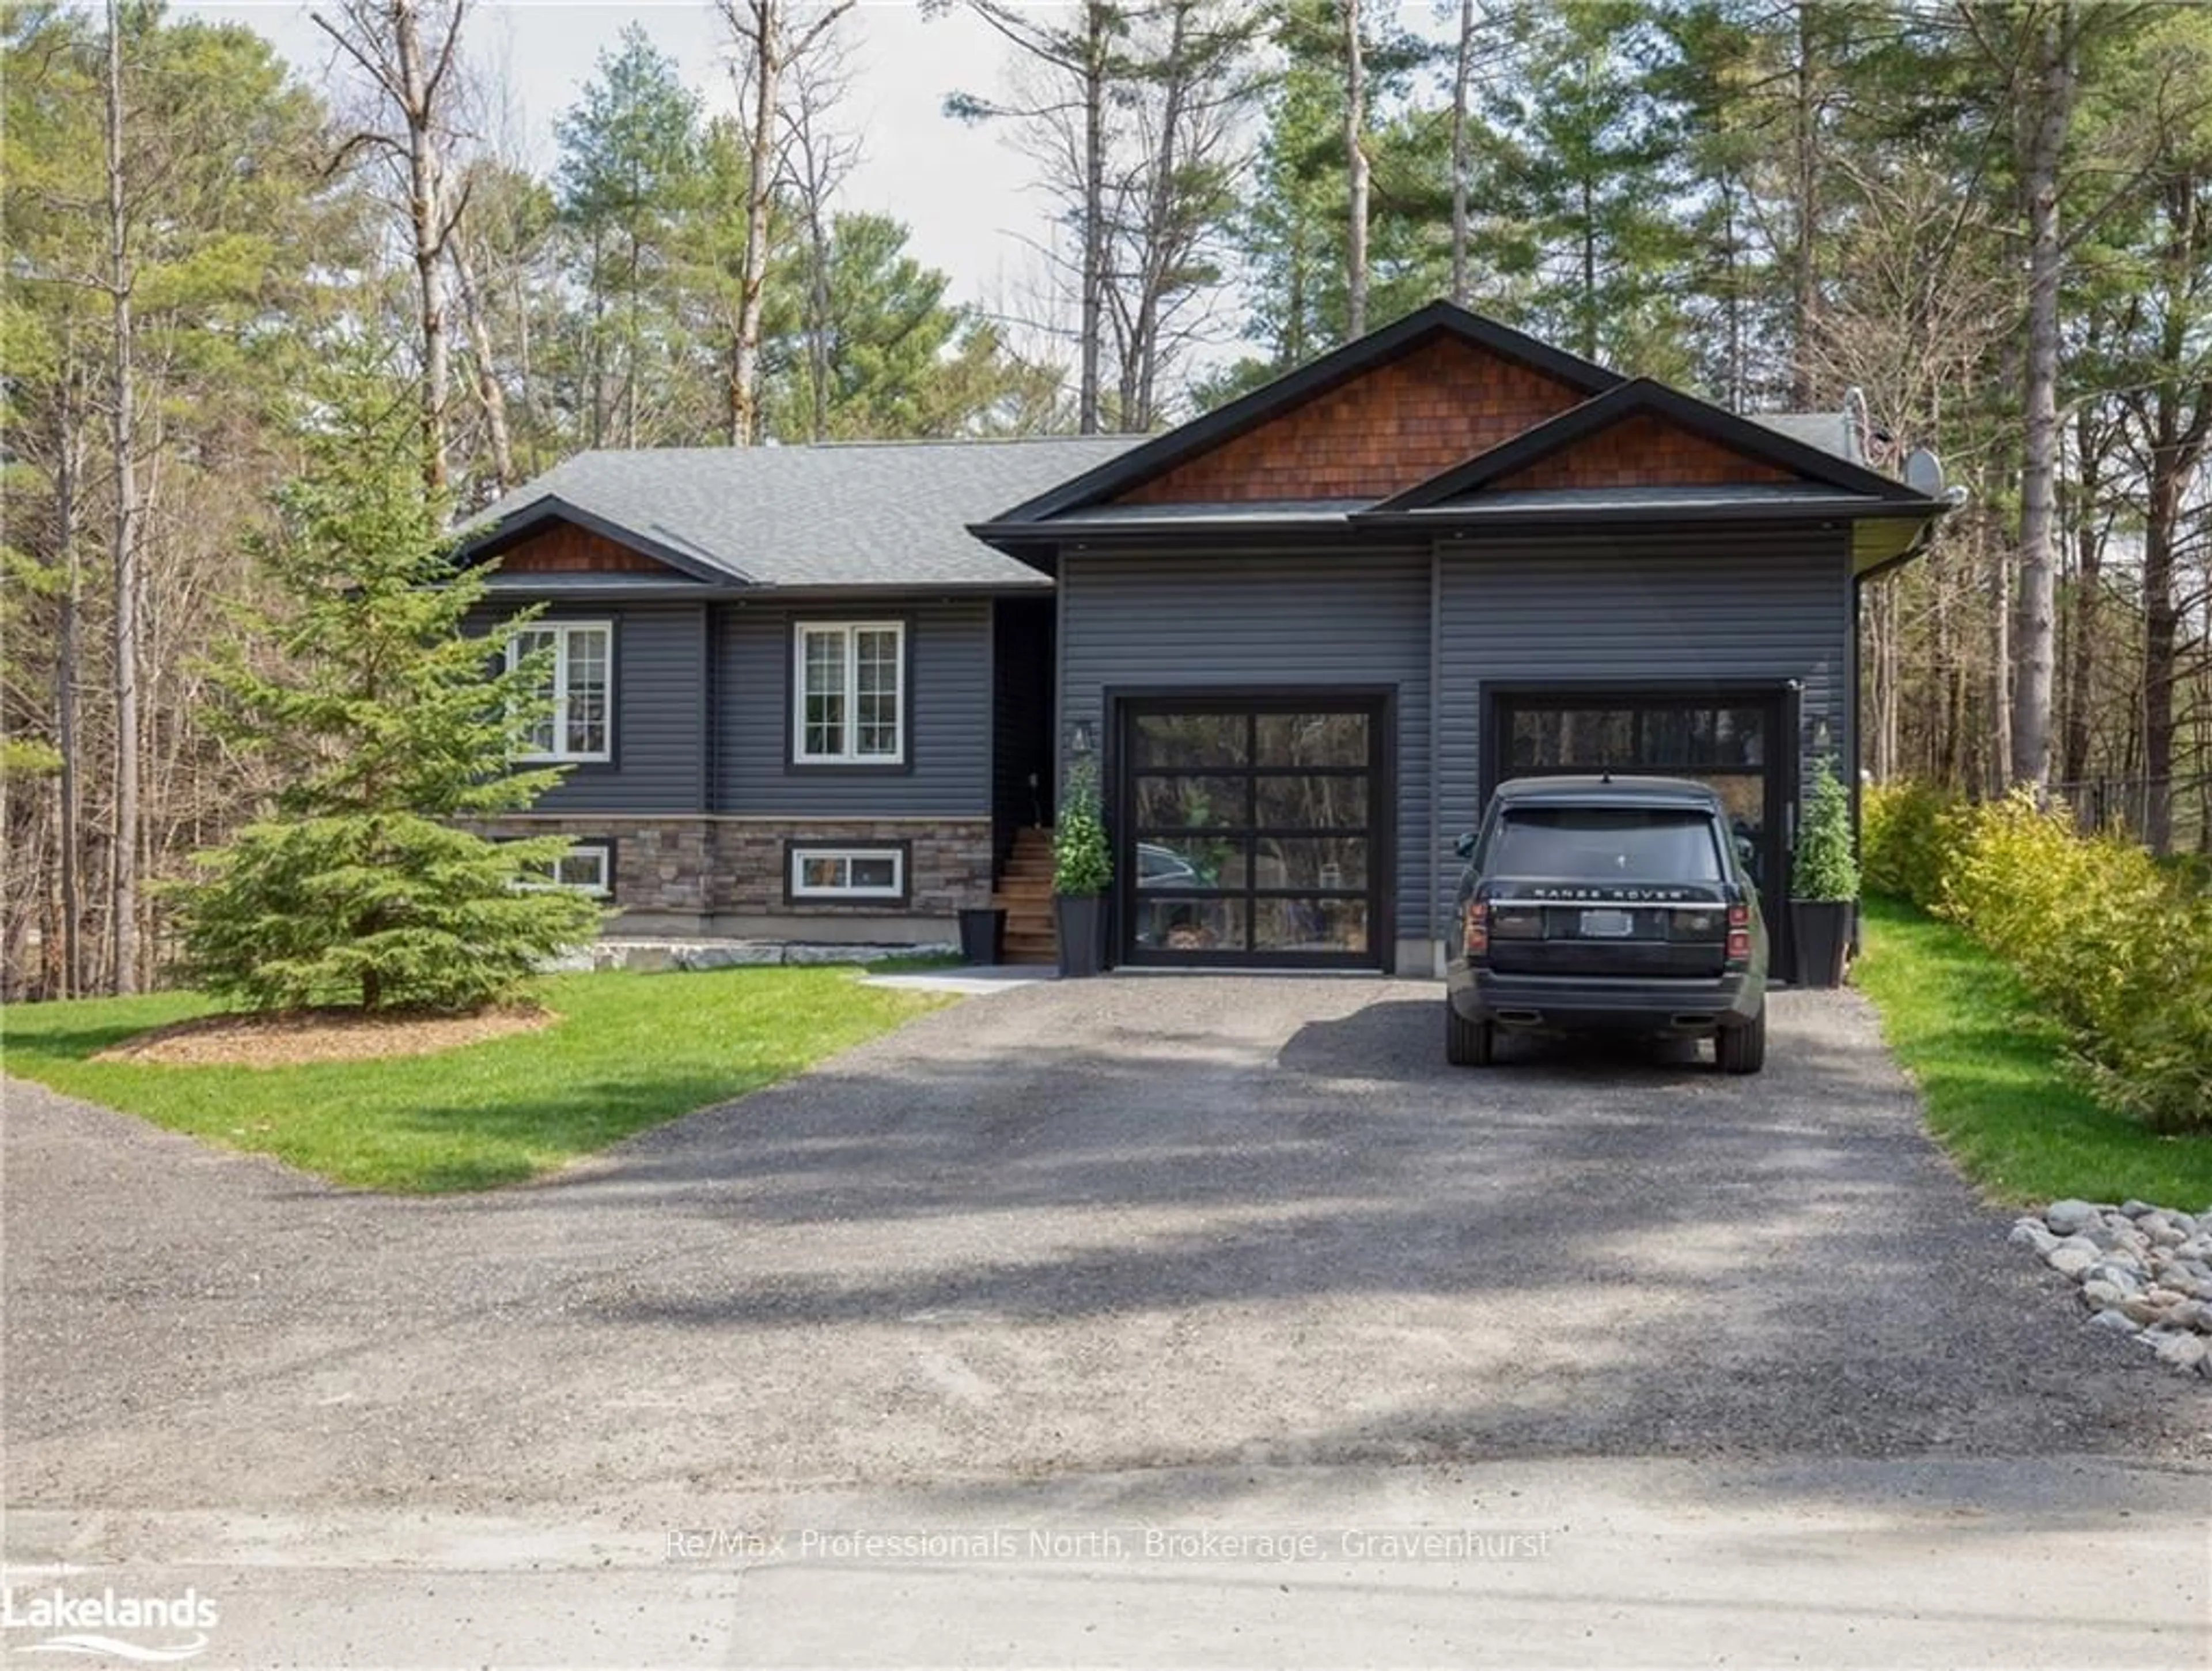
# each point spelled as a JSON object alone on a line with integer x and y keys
{"x": 1075, "y": 1229}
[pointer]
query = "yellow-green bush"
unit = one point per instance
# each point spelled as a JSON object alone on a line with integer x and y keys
{"x": 1901, "y": 840}
{"x": 2117, "y": 945}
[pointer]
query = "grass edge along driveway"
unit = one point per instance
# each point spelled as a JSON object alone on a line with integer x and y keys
{"x": 630, "y": 1050}
{"x": 1994, "y": 1079}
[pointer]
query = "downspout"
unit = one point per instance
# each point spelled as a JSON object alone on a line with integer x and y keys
{"x": 1430, "y": 863}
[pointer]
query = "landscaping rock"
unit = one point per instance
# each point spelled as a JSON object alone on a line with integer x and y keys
{"x": 2070, "y": 1261}
{"x": 2070, "y": 1218}
{"x": 736, "y": 956}
{"x": 2144, "y": 1269}
{"x": 2129, "y": 1279}
{"x": 796, "y": 954}
{"x": 2183, "y": 1351}
{"x": 2032, "y": 1233}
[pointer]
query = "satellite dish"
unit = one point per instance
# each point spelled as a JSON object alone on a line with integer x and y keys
{"x": 1923, "y": 472}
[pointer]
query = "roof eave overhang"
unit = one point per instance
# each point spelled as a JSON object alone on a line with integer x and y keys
{"x": 1879, "y": 546}
{"x": 1041, "y": 545}
{"x": 617, "y": 587}
{"x": 492, "y": 539}
{"x": 1460, "y": 521}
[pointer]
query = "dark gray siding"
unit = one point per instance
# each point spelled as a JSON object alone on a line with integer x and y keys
{"x": 1333, "y": 618}
{"x": 1724, "y": 605}
{"x": 949, "y": 711}
{"x": 661, "y": 671}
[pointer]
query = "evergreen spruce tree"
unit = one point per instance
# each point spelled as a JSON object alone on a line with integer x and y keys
{"x": 386, "y": 725}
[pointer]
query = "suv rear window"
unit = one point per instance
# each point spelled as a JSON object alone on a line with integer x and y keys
{"x": 1605, "y": 844}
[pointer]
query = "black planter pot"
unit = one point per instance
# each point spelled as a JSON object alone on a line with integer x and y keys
{"x": 982, "y": 930}
{"x": 1822, "y": 930}
{"x": 1081, "y": 922}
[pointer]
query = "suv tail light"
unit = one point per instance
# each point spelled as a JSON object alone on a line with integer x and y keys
{"x": 1476, "y": 934}
{"x": 1739, "y": 933}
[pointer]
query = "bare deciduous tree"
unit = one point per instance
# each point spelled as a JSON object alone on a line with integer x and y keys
{"x": 770, "y": 37}
{"x": 408, "y": 51}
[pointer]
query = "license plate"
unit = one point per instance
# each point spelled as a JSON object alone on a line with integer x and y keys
{"x": 1608, "y": 924}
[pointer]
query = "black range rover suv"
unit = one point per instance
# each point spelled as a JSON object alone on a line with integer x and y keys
{"x": 1606, "y": 904}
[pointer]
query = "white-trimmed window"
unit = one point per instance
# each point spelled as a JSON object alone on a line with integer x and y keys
{"x": 848, "y": 872}
{"x": 588, "y": 867}
{"x": 579, "y": 725}
{"x": 849, "y": 694}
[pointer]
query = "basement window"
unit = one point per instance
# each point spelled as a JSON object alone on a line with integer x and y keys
{"x": 588, "y": 868}
{"x": 848, "y": 873}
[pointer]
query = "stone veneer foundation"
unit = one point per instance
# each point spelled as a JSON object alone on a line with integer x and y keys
{"x": 722, "y": 875}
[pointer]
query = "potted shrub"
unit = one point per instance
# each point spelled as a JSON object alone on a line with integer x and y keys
{"x": 1082, "y": 870}
{"x": 1824, "y": 882}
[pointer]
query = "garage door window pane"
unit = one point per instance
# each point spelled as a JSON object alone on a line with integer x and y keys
{"x": 1184, "y": 862}
{"x": 1191, "y": 925}
{"x": 1549, "y": 739}
{"x": 1309, "y": 925}
{"x": 1311, "y": 803}
{"x": 1192, "y": 740}
{"x": 1313, "y": 739}
{"x": 1191, "y": 802}
{"x": 1322, "y": 862}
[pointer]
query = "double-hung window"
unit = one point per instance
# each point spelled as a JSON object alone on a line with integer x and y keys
{"x": 849, "y": 690}
{"x": 577, "y": 720}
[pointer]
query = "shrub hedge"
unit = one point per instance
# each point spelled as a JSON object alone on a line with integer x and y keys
{"x": 2117, "y": 945}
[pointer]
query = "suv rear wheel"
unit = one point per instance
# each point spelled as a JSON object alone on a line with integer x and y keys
{"x": 1742, "y": 1049}
{"x": 1467, "y": 1043}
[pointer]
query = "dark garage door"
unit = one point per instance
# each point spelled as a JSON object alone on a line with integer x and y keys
{"x": 1253, "y": 830}
{"x": 1743, "y": 742}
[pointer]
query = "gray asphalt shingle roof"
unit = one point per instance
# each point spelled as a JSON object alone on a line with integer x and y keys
{"x": 858, "y": 514}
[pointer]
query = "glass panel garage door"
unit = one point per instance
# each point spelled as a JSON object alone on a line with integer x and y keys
{"x": 1249, "y": 834}
{"x": 1741, "y": 743}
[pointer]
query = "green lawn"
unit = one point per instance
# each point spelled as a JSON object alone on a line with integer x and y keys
{"x": 1991, "y": 1073}
{"x": 630, "y": 1050}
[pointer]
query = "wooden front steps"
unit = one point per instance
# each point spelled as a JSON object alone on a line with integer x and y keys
{"x": 1025, "y": 892}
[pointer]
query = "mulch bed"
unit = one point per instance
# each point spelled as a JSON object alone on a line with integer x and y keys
{"x": 285, "y": 1038}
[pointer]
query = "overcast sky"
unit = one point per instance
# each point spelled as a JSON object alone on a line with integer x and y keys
{"x": 962, "y": 190}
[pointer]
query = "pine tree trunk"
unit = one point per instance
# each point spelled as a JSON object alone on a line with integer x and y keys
{"x": 2032, "y": 686}
{"x": 818, "y": 322}
{"x": 2088, "y": 585}
{"x": 124, "y": 875}
{"x": 1804, "y": 286}
{"x": 745, "y": 359}
{"x": 1355, "y": 143}
{"x": 69, "y": 794}
{"x": 1097, "y": 67}
{"x": 1462, "y": 75}
{"x": 2161, "y": 629}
